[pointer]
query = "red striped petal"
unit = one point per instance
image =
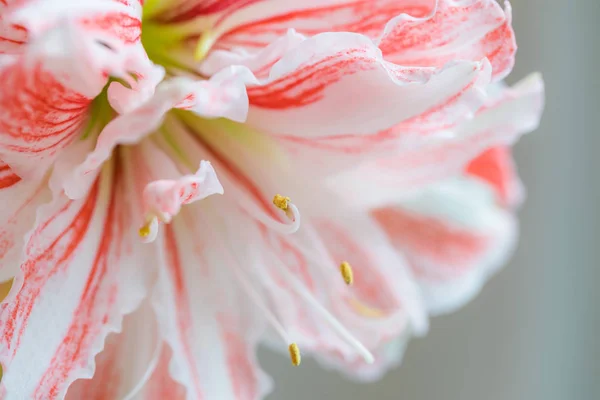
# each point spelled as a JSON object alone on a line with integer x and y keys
{"x": 423, "y": 158}
{"x": 83, "y": 271}
{"x": 49, "y": 88}
{"x": 39, "y": 116}
{"x": 337, "y": 84}
{"x": 467, "y": 30}
{"x": 126, "y": 364}
{"x": 497, "y": 167}
{"x": 454, "y": 237}
{"x": 208, "y": 329}
{"x": 260, "y": 23}
{"x": 20, "y": 200}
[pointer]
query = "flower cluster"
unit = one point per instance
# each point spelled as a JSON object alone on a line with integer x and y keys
{"x": 182, "y": 180}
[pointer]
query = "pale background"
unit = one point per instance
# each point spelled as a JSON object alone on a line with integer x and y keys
{"x": 533, "y": 332}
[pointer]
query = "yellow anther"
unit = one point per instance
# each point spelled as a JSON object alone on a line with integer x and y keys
{"x": 204, "y": 44}
{"x": 144, "y": 231}
{"x": 347, "y": 273}
{"x": 295, "y": 354}
{"x": 5, "y": 289}
{"x": 281, "y": 202}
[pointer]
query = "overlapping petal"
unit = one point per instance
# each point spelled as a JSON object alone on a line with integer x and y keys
{"x": 49, "y": 88}
{"x": 212, "y": 332}
{"x": 224, "y": 95}
{"x": 19, "y": 199}
{"x": 83, "y": 270}
{"x": 338, "y": 84}
{"x": 165, "y": 197}
{"x": 496, "y": 167}
{"x": 454, "y": 236}
{"x": 506, "y": 116}
{"x": 256, "y": 24}
{"x": 457, "y": 30}
{"x": 117, "y": 374}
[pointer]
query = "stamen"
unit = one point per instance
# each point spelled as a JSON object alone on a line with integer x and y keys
{"x": 291, "y": 211}
{"x": 327, "y": 316}
{"x": 254, "y": 296}
{"x": 295, "y": 354}
{"x": 347, "y": 273}
{"x": 240, "y": 275}
{"x": 149, "y": 230}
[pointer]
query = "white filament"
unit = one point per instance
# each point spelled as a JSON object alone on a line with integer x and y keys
{"x": 243, "y": 279}
{"x": 329, "y": 318}
{"x": 271, "y": 318}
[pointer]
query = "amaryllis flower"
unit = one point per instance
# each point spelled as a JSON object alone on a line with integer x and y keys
{"x": 157, "y": 158}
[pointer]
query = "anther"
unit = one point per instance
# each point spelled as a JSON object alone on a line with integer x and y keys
{"x": 281, "y": 202}
{"x": 149, "y": 230}
{"x": 347, "y": 273}
{"x": 144, "y": 231}
{"x": 295, "y": 354}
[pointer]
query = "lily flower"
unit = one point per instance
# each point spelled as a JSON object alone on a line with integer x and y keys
{"x": 185, "y": 179}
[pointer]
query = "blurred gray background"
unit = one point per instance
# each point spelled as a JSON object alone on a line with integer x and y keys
{"x": 533, "y": 331}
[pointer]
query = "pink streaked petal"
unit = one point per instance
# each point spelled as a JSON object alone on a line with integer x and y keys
{"x": 165, "y": 197}
{"x": 19, "y": 200}
{"x": 260, "y": 62}
{"x": 39, "y": 116}
{"x": 211, "y": 332}
{"x": 224, "y": 95}
{"x": 110, "y": 24}
{"x": 47, "y": 93}
{"x": 12, "y": 37}
{"x": 82, "y": 259}
{"x": 108, "y": 19}
{"x": 442, "y": 153}
{"x": 184, "y": 10}
{"x": 161, "y": 385}
{"x": 126, "y": 99}
{"x": 458, "y": 30}
{"x": 259, "y": 23}
{"x": 126, "y": 361}
{"x": 497, "y": 167}
{"x": 338, "y": 84}
{"x": 332, "y": 154}
{"x": 454, "y": 236}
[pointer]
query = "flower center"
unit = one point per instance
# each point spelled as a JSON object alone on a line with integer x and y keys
{"x": 176, "y": 45}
